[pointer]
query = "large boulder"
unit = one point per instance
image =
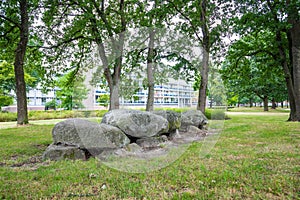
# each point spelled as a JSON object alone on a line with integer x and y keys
{"x": 174, "y": 119}
{"x": 88, "y": 135}
{"x": 193, "y": 118}
{"x": 62, "y": 152}
{"x": 138, "y": 124}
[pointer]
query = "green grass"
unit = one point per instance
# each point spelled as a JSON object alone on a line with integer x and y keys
{"x": 259, "y": 109}
{"x": 256, "y": 157}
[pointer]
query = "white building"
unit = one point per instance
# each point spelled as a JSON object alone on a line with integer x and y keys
{"x": 37, "y": 98}
{"x": 175, "y": 93}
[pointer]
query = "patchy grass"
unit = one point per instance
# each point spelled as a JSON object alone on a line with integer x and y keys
{"x": 256, "y": 157}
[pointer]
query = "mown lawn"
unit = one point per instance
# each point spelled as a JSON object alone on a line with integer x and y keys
{"x": 256, "y": 157}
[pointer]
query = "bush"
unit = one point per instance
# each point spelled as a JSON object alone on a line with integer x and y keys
{"x": 216, "y": 114}
{"x": 8, "y": 116}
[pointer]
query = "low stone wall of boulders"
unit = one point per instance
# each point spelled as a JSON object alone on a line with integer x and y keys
{"x": 128, "y": 130}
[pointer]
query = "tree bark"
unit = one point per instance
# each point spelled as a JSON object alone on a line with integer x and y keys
{"x": 205, "y": 58}
{"x": 273, "y": 103}
{"x": 288, "y": 76}
{"x": 114, "y": 102}
{"x": 203, "y": 83}
{"x": 251, "y": 102}
{"x": 295, "y": 39}
{"x": 265, "y": 99}
{"x": 19, "y": 66}
{"x": 150, "y": 71}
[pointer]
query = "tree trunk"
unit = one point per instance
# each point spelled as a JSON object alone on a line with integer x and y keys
{"x": 205, "y": 58}
{"x": 251, "y": 102}
{"x": 265, "y": 99}
{"x": 150, "y": 72}
{"x": 288, "y": 76}
{"x": 114, "y": 97}
{"x": 203, "y": 82}
{"x": 19, "y": 66}
{"x": 294, "y": 51}
{"x": 295, "y": 39}
{"x": 273, "y": 103}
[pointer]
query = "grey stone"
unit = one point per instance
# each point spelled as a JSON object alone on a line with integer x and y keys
{"x": 173, "y": 118}
{"x": 192, "y": 118}
{"x": 175, "y": 135}
{"x": 133, "y": 148}
{"x": 135, "y": 123}
{"x": 61, "y": 152}
{"x": 151, "y": 141}
{"x": 88, "y": 135}
{"x": 196, "y": 131}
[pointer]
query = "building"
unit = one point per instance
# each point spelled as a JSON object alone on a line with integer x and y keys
{"x": 174, "y": 93}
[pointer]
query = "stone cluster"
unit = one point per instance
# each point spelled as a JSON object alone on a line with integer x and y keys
{"x": 126, "y": 130}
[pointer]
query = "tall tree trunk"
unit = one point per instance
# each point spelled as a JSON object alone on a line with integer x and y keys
{"x": 265, "y": 99}
{"x": 150, "y": 71}
{"x": 19, "y": 66}
{"x": 295, "y": 39}
{"x": 205, "y": 58}
{"x": 203, "y": 83}
{"x": 288, "y": 76}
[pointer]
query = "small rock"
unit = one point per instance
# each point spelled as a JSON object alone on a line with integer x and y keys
{"x": 61, "y": 152}
{"x": 152, "y": 141}
{"x": 134, "y": 148}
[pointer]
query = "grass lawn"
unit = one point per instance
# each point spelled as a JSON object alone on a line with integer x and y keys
{"x": 256, "y": 157}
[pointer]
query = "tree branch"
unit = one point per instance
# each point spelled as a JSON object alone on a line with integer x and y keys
{"x": 11, "y": 21}
{"x": 188, "y": 19}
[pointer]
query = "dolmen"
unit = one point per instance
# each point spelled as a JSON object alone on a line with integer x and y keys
{"x": 125, "y": 130}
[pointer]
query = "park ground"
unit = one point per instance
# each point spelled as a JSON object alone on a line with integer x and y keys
{"x": 257, "y": 156}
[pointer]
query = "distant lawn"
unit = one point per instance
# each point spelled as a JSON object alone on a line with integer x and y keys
{"x": 256, "y": 157}
{"x": 258, "y": 109}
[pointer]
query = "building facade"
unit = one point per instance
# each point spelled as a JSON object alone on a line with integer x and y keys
{"x": 174, "y": 93}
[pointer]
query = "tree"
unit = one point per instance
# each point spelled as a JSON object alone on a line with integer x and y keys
{"x": 87, "y": 24}
{"x": 71, "y": 91}
{"x": 249, "y": 68}
{"x": 7, "y": 82}
{"x": 199, "y": 20}
{"x": 19, "y": 23}
{"x": 103, "y": 100}
{"x": 282, "y": 19}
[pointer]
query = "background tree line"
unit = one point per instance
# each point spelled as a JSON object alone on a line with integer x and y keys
{"x": 45, "y": 39}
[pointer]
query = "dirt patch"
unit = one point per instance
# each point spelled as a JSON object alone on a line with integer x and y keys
{"x": 33, "y": 163}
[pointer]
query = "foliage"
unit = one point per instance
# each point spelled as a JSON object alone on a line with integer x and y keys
{"x": 72, "y": 91}
{"x": 51, "y": 104}
{"x": 103, "y": 100}
{"x": 249, "y": 68}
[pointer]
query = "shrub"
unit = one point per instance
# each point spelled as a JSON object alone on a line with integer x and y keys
{"x": 8, "y": 116}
